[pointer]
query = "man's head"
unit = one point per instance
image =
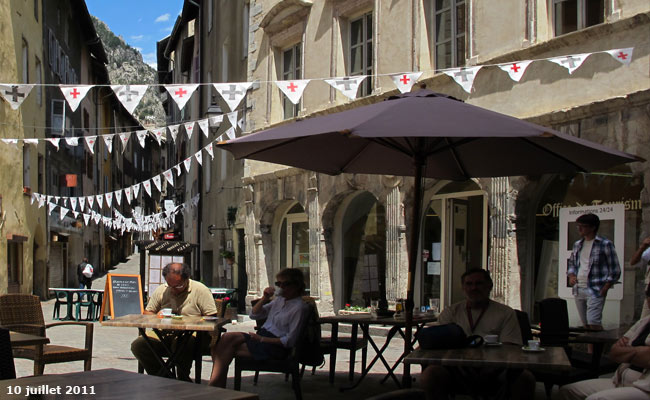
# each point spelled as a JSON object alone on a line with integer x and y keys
{"x": 291, "y": 281}
{"x": 588, "y": 225}
{"x": 85, "y": 259}
{"x": 477, "y": 285}
{"x": 177, "y": 275}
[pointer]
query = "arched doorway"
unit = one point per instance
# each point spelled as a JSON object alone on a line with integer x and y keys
{"x": 454, "y": 239}
{"x": 294, "y": 241}
{"x": 363, "y": 250}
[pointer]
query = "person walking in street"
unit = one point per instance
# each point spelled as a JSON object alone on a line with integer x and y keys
{"x": 643, "y": 254}
{"x": 592, "y": 270}
{"x": 85, "y": 274}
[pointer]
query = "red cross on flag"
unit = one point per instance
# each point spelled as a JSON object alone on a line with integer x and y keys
{"x": 156, "y": 181}
{"x": 147, "y": 186}
{"x": 72, "y": 141}
{"x": 464, "y": 76}
{"x": 108, "y": 140}
{"x": 127, "y": 192}
{"x": 55, "y": 142}
{"x": 91, "y": 201}
{"x": 118, "y": 196}
{"x": 293, "y": 89}
{"x": 173, "y": 131}
{"x": 570, "y": 62}
{"x": 90, "y": 142}
{"x": 188, "y": 164}
{"x": 124, "y": 138}
{"x": 129, "y": 95}
{"x": 204, "y": 126}
{"x": 109, "y": 198}
{"x": 74, "y": 94}
{"x": 82, "y": 203}
{"x": 15, "y": 94}
{"x": 100, "y": 200}
{"x": 142, "y": 137}
{"x": 158, "y": 134}
{"x": 189, "y": 129}
{"x": 405, "y": 81}
{"x": 348, "y": 85}
{"x": 209, "y": 148}
{"x": 199, "y": 157}
{"x": 516, "y": 69}
{"x": 232, "y": 93}
{"x": 169, "y": 175}
{"x": 624, "y": 56}
{"x": 181, "y": 93}
{"x": 136, "y": 190}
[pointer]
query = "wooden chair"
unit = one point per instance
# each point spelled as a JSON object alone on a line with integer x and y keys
{"x": 198, "y": 360}
{"x": 23, "y": 313}
{"x": 345, "y": 343}
{"x": 7, "y": 367}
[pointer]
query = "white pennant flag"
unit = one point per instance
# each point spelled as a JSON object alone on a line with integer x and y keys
{"x": 158, "y": 134}
{"x": 178, "y": 169}
{"x": 199, "y": 157}
{"x": 73, "y": 203}
{"x": 15, "y": 94}
{"x": 169, "y": 176}
{"x": 41, "y": 202}
{"x": 624, "y": 56}
{"x": 464, "y": 76}
{"x": 136, "y": 190}
{"x": 240, "y": 124}
{"x": 348, "y": 85}
{"x": 232, "y": 117}
{"x": 33, "y": 198}
{"x": 156, "y": 181}
{"x": 570, "y": 62}
{"x": 62, "y": 213}
{"x": 205, "y": 127}
{"x": 124, "y": 138}
{"x": 127, "y": 192}
{"x": 56, "y": 199}
{"x": 82, "y": 203}
{"x": 215, "y": 121}
{"x": 76, "y": 214}
{"x": 74, "y": 94}
{"x": 516, "y": 69}
{"x": 230, "y": 133}
{"x": 188, "y": 164}
{"x": 147, "y": 187}
{"x": 31, "y": 141}
{"x": 232, "y": 93}
{"x": 181, "y": 93}
{"x": 293, "y": 89}
{"x": 72, "y": 141}
{"x": 405, "y": 81}
{"x": 142, "y": 137}
{"x": 65, "y": 201}
{"x": 90, "y": 142}
{"x": 209, "y": 149}
{"x": 109, "y": 198}
{"x": 129, "y": 95}
{"x": 97, "y": 218}
{"x": 86, "y": 219}
{"x": 118, "y": 196}
{"x": 108, "y": 140}
{"x": 11, "y": 141}
{"x": 100, "y": 201}
{"x": 189, "y": 129}
{"x": 55, "y": 142}
{"x": 173, "y": 131}
{"x": 91, "y": 201}
{"x": 50, "y": 207}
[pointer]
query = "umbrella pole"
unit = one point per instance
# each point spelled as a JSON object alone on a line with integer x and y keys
{"x": 413, "y": 258}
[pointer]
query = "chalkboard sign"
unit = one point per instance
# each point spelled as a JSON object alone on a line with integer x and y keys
{"x": 122, "y": 295}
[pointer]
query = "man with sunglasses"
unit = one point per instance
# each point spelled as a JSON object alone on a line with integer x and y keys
{"x": 185, "y": 297}
{"x": 284, "y": 317}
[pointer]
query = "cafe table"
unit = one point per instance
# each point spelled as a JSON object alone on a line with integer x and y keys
{"x": 181, "y": 328}
{"x": 364, "y": 321}
{"x": 68, "y": 294}
{"x": 112, "y": 384}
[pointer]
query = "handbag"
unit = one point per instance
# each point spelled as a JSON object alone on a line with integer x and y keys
{"x": 448, "y": 336}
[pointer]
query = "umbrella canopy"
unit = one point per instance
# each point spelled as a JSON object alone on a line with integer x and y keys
{"x": 424, "y": 134}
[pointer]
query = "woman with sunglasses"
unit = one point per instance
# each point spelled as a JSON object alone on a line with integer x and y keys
{"x": 284, "y": 315}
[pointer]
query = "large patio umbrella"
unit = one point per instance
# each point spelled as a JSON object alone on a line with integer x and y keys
{"x": 424, "y": 134}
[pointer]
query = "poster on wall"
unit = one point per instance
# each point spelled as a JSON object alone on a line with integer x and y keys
{"x": 612, "y": 227}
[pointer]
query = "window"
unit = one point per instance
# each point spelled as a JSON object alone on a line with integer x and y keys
{"x": 14, "y": 265}
{"x": 449, "y": 33}
{"x": 291, "y": 69}
{"x": 361, "y": 53}
{"x": 572, "y": 15}
{"x": 25, "y": 62}
{"x": 245, "y": 30}
{"x": 36, "y": 9}
{"x": 294, "y": 242}
{"x": 58, "y": 116}
{"x": 26, "y": 157}
{"x": 41, "y": 169}
{"x": 39, "y": 81}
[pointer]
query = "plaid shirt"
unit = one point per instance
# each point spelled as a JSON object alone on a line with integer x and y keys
{"x": 603, "y": 263}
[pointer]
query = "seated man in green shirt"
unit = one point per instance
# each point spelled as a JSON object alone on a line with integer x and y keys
{"x": 185, "y": 297}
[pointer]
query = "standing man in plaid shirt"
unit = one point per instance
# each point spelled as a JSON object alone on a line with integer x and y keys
{"x": 592, "y": 270}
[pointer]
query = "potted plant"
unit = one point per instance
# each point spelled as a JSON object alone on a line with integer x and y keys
{"x": 228, "y": 255}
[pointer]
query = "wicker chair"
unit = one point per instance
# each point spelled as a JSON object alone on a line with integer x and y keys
{"x": 23, "y": 313}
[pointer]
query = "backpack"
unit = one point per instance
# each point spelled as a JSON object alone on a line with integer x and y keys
{"x": 87, "y": 271}
{"x": 310, "y": 350}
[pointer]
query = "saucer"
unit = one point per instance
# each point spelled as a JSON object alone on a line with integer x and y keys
{"x": 495, "y": 344}
{"x": 526, "y": 348}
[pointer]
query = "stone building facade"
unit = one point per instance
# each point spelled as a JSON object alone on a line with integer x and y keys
{"x": 348, "y": 232}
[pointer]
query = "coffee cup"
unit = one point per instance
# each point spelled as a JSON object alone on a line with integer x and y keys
{"x": 491, "y": 339}
{"x": 533, "y": 344}
{"x": 166, "y": 312}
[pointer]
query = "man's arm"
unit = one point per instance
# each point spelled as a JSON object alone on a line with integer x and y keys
{"x": 622, "y": 352}
{"x": 572, "y": 269}
{"x": 645, "y": 244}
{"x": 613, "y": 268}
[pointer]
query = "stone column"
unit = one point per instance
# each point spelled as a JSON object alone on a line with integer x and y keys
{"x": 396, "y": 278}
{"x": 314, "y": 235}
{"x": 250, "y": 239}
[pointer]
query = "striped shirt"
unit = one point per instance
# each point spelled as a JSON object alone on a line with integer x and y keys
{"x": 603, "y": 263}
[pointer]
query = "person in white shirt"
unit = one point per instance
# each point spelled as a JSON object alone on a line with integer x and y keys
{"x": 284, "y": 318}
{"x": 643, "y": 254}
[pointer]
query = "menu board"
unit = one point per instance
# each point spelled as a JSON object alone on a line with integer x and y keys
{"x": 122, "y": 295}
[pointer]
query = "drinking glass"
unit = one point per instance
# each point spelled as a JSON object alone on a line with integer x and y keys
{"x": 434, "y": 305}
{"x": 374, "y": 306}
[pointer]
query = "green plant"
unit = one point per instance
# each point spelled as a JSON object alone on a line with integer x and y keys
{"x": 349, "y": 307}
{"x": 227, "y": 254}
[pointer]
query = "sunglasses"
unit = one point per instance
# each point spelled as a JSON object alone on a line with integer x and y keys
{"x": 282, "y": 284}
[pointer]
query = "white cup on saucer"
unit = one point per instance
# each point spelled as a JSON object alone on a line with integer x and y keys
{"x": 491, "y": 339}
{"x": 166, "y": 312}
{"x": 533, "y": 345}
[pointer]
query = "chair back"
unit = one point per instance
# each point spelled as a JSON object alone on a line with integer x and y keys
{"x": 7, "y": 367}
{"x": 308, "y": 348}
{"x": 21, "y": 309}
{"x": 524, "y": 326}
{"x": 554, "y": 322}
{"x": 221, "y": 307}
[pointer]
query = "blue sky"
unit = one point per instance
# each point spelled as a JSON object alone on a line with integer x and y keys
{"x": 141, "y": 23}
